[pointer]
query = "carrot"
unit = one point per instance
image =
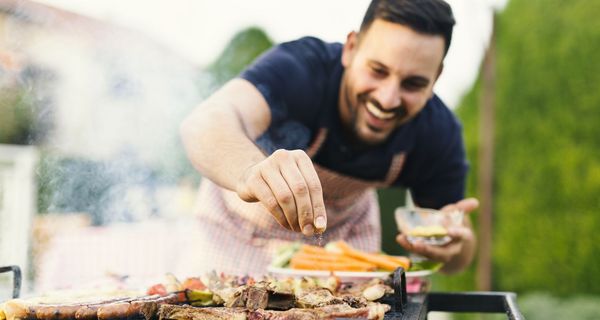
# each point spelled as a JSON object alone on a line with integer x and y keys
{"x": 404, "y": 261}
{"x": 313, "y": 249}
{"x": 334, "y": 259}
{"x": 309, "y": 264}
{"x": 382, "y": 262}
{"x": 326, "y": 255}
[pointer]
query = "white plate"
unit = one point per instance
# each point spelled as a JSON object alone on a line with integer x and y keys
{"x": 344, "y": 276}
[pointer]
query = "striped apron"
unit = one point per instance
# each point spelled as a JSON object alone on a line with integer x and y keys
{"x": 238, "y": 237}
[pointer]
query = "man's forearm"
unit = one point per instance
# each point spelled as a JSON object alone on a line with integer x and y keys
{"x": 218, "y": 146}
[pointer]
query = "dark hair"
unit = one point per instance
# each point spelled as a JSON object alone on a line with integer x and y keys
{"x": 425, "y": 16}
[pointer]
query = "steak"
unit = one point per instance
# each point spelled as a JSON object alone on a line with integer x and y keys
{"x": 173, "y": 312}
{"x": 335, "y": 311}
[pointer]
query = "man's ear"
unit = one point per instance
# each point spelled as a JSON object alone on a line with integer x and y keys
{"x": 349, "y": 48}
{"x": 440, "y": 69}
{"x": 437, "y": 76}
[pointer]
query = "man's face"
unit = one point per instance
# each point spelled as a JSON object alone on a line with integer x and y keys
{"x": 389, "y": 75}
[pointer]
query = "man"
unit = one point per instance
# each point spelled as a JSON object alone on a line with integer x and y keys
{"x": 297, "y": 144}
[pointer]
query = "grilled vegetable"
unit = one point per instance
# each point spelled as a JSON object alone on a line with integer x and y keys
{"x": 198, "y": 298}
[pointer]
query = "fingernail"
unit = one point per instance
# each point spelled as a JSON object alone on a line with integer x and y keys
{"x": 308, "y": 230}
{"x": 320, "y": 222}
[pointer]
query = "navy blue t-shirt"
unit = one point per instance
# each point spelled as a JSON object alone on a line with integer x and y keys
{"x": 300, "y": 81}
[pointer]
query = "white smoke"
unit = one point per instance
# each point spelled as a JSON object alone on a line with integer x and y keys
{"x": 111, "y": 100}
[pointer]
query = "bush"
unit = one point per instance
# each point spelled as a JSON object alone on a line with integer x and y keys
{"x": 543, "y": 306}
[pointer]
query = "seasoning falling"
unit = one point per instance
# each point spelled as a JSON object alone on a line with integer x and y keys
{"x": 318, "y": 238}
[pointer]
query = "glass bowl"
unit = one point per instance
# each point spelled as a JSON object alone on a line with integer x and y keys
{"x": 429, "y": 226}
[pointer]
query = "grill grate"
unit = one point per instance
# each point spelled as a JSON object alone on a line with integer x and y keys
{"x": 408, "y": 306}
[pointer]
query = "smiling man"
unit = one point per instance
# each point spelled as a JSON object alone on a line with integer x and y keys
{"x": 298, "y": 143}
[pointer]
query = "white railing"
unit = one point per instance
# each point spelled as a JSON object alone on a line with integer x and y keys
{"x": 17, "y": 207}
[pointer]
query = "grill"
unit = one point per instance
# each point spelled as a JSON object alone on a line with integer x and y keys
{"x": 404, "y": 306}
{"x": 415, "y": 306}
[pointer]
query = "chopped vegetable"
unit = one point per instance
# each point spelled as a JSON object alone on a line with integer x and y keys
{"x": 335, "y": 256}
{"x": 158, "y": 288}
{"x": 382, "y": 261}
{"x": 284, "y": 254}
{"x": 198, "y": 298}
{"x": 193, "y": 283}
{"x": 340, "y": 265}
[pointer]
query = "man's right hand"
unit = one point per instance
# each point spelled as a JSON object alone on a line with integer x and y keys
{"x": 287, "y": 184}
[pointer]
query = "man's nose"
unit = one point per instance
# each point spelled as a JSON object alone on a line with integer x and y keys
{"x": 389, "y": 95}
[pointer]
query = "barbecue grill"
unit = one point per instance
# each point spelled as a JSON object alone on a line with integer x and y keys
{"x": 406, "y": 306}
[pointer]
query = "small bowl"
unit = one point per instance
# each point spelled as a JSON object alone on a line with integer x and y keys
{"x": 429, "y": 226}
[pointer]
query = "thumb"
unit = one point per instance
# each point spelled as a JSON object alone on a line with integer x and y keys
{"x": 465, "y": 205}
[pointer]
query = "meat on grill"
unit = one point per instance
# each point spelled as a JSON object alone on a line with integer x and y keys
{"x": 316, "y": 298}
{"x": 257, "y": 296}
{"x": 172, "y": 312}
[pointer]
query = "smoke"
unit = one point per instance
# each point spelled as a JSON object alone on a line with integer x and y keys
{"x": 105, "y": 105}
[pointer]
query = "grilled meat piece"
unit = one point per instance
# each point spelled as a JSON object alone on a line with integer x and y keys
{"x": 281, "y": 301}
{"x": 257, "y": 297}
{"x": 292, "y": 314}
{"x": 144, "y": 308}
{"x": 172, "y": 312}
{"x": 336, "y": 311}
{"x": 355, "y": 302}
{"x": 315, "y": 298}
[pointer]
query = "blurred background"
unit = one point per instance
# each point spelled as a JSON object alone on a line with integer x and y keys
{"x": 94, "y": 181}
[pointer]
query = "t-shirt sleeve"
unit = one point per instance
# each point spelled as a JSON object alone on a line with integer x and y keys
{"x": 290, "y": 77}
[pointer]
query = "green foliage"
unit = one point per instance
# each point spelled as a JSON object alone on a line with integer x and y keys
{"x": 389, "y": 200}
{"x": 542, "y": 306}
{"x": 547, "y": 151}
{"x": 468, "y": 113}
{"x": 25, "y": 116}
{"x": 16, "y": 116}
{"x": 239, "y": 53}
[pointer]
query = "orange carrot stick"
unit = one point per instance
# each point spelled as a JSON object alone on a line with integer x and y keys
{"x": 342, "y": 259}
{"x": 313, "y": 249}
{"x": 307, "y": 264}
{"x": 404, "y": 261}
{"x": 381, "y": 262}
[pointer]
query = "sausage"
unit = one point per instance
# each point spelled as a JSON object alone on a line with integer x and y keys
{"x": 90, "y": 312}
{"x": 114, "y": 311}
{"x": 144, "y": 308}
{"x": 55, "y": 312}
{"x": 141, "y": 308}
{"x": 85, "y": 310}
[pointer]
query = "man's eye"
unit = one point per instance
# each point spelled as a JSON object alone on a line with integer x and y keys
{"x": 379, "y": 71}
{"x": 413, "y": 85}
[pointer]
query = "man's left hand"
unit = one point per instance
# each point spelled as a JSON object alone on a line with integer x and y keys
{"x": 458, "y": 253}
